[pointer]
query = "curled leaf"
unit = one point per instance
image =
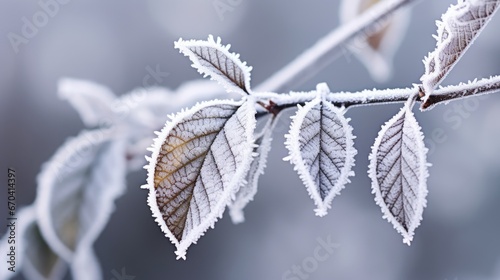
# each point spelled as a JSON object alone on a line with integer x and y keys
{"x": 377, "y": 49}
{"x": 211, "y": 58}
{"x": 457, "y": 30}
{"x": 398, "y": 170}
{"x": 199, "y": 161}
{"x": 248, "y": 190}
{"x": 320, "y": 144}
{"x": 76, "y": 193}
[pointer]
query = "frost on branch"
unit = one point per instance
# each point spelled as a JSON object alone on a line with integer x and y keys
{"x": 457, "y": 30}
{"x": 248, "y": 190}
{"x": 376, "y": 51}
{"x": 198, "y": 162}
{"x": 321, "y": 146}
{"x": 211, "y": 58}
{"x": 398, "y": 170}
{"x": 76, "y": 193}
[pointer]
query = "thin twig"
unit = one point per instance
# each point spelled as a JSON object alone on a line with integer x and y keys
{"x": 444, "y": 95}
{"x": 375, "y": 96}
{"x": 321, "y": 54}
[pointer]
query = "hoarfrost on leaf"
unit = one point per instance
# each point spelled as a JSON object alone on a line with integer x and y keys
{"x": 321, "y": 148}
{"x": 136, "y": 114}
{"x": 191, "y": 92}
{"x": 91, "y": 100}
{"x": 211, "y": 58}
{"x": 457, "y": 30}
{"x": 76, "y": 193}
{"x": 398, "y": 170}
{"x": 377, "y": 49}
{"x": 248, "y": 190}
{"x": 198, "y": 162}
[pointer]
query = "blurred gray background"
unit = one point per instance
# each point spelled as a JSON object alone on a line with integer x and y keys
{"x": 112, "y": 42}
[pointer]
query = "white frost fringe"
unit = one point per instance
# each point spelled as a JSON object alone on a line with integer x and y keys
{"x": 209, "y": 222}
{"x": 421, "y": 151}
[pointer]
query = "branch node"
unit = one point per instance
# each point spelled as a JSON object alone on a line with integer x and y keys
{"x": 272, "y": 107}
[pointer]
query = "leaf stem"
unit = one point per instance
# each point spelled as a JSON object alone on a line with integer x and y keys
{"x": 323, "y": 52}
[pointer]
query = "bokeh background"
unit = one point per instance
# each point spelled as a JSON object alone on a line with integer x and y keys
{"x": 113, "y": 42}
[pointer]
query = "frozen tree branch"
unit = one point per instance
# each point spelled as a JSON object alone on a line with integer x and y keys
{"x": 205, "y": 155}
{"x": 446, "y": 94}
{"x": 322, "y": 53}
{"x": 376, "y": 96}
{"x": 209, "y": 158}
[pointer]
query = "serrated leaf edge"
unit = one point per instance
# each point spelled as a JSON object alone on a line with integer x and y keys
{"x": 442, "y": 43}
{"x": 184, "y": 45}
{"x": 407, "y": 235}
{"x": 295, "y": 157}
{"x": 238, "y": 179}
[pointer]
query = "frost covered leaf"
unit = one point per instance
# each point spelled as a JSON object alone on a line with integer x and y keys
{"x": 145, "y": 109}
{"x": 248, "y": 190}
{"x": 38, "y": 259}
{"x": 457, "y": 30}
{"x": 33, "y": 255}
{"x": 92, "y": 101}
{"x": 398, "y": 170}
{"x": 76, "y": 193}
{"x": 211, "y": 58}
{"x": 40, "y": 262}
{"x": 199, "y": 161}
{"x": 321, "y": 146}
{"x": 191, "y": 92}
{"x": 137, "y": 113}
{"x": 376, "y": 51}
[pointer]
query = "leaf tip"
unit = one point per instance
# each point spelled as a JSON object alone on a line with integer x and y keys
{"x": 181, "y": 254}
{"x": 321, "y": 211}
{"x": 407, "y": 239}
{"x": 237, "y": 216}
